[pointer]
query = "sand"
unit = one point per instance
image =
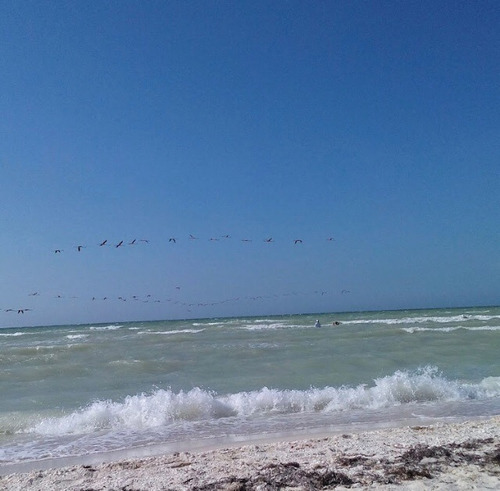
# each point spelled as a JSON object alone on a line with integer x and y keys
{"x": 439, "y": 456}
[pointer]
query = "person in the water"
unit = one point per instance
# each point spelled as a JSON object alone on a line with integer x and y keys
{"x": 318, "y": 324}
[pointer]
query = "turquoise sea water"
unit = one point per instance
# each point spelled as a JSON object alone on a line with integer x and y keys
{"x": 88, "y": 389}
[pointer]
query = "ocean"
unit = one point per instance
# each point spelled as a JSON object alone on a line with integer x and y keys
{"x": 140, "y": 388}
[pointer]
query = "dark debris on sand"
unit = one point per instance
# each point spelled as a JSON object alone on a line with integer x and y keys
{"x": 418, "y": 462}
{"x": 279, "y": 476}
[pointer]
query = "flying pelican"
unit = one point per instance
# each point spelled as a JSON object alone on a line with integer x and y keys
{"x": 269, "y": 240}
{"x": 192, "y": 237}
{"x": 132, "y": 243}
{"x": 103, "y": 243}
{"x": 172, "y": 239}
{"x": 119, "y": 244}
{"x": 144, "y": 240}
{"x": 80, "y": 247}
{"x": 57, "y": 251}
{"x": 297, "y": 241}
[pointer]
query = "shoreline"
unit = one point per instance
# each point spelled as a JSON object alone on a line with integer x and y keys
{"x": 459, "y": 455}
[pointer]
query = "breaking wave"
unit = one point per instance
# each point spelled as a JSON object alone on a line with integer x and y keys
{"x": 165, "y": 407}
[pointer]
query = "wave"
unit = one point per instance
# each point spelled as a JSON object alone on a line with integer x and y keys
{"x": 260, "y": 327}
{"x": 13, "y": 334}
{"x": 413, "y": 330}
{"x": 209, "y": 323}
{"x": 425, "y": 319}
{"x": 175, "y": 331}
{"x": 111, "y": 327}
{"x": 165, "y": 407}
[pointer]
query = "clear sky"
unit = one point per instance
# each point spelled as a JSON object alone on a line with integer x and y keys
{"x": 373, "y": 123}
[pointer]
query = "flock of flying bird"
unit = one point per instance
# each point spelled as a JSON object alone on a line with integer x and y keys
{"x": 149, "y": 298}
{"x": 173, "y": 240}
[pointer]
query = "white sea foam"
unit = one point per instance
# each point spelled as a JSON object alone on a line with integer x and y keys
{"x": 111, "y": 327}
{"x": 209, "y": 323}
{"x": 77, "y": 336}
{"x": 413, "y": 330}
{"x": 425, "y": 319}
{"x": 164, "y": 407}
{"x": 260, "y": 327}
{"x": 175, "y": 331}
{"x": 13, "y": 334}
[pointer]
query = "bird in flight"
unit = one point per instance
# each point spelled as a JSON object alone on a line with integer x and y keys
{"x": 103, "y": 243}
{"x": 80, "y": 247}
{"x": 192, "y": 237}
{"x": 269, "y": 240}
{"x": 57, "y": 251}
{"x": 172, "y": 240}
{"x": 297, "y": 241}
{"x": 119, "y": 244}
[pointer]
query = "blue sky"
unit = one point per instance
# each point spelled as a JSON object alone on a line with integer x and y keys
{"x": 376, "y": 123}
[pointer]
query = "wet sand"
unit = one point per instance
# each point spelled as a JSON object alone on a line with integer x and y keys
{"x": 440, "y": 456}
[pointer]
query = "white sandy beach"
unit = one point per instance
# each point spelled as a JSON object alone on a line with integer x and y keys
{"x": 441, "y": 456}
